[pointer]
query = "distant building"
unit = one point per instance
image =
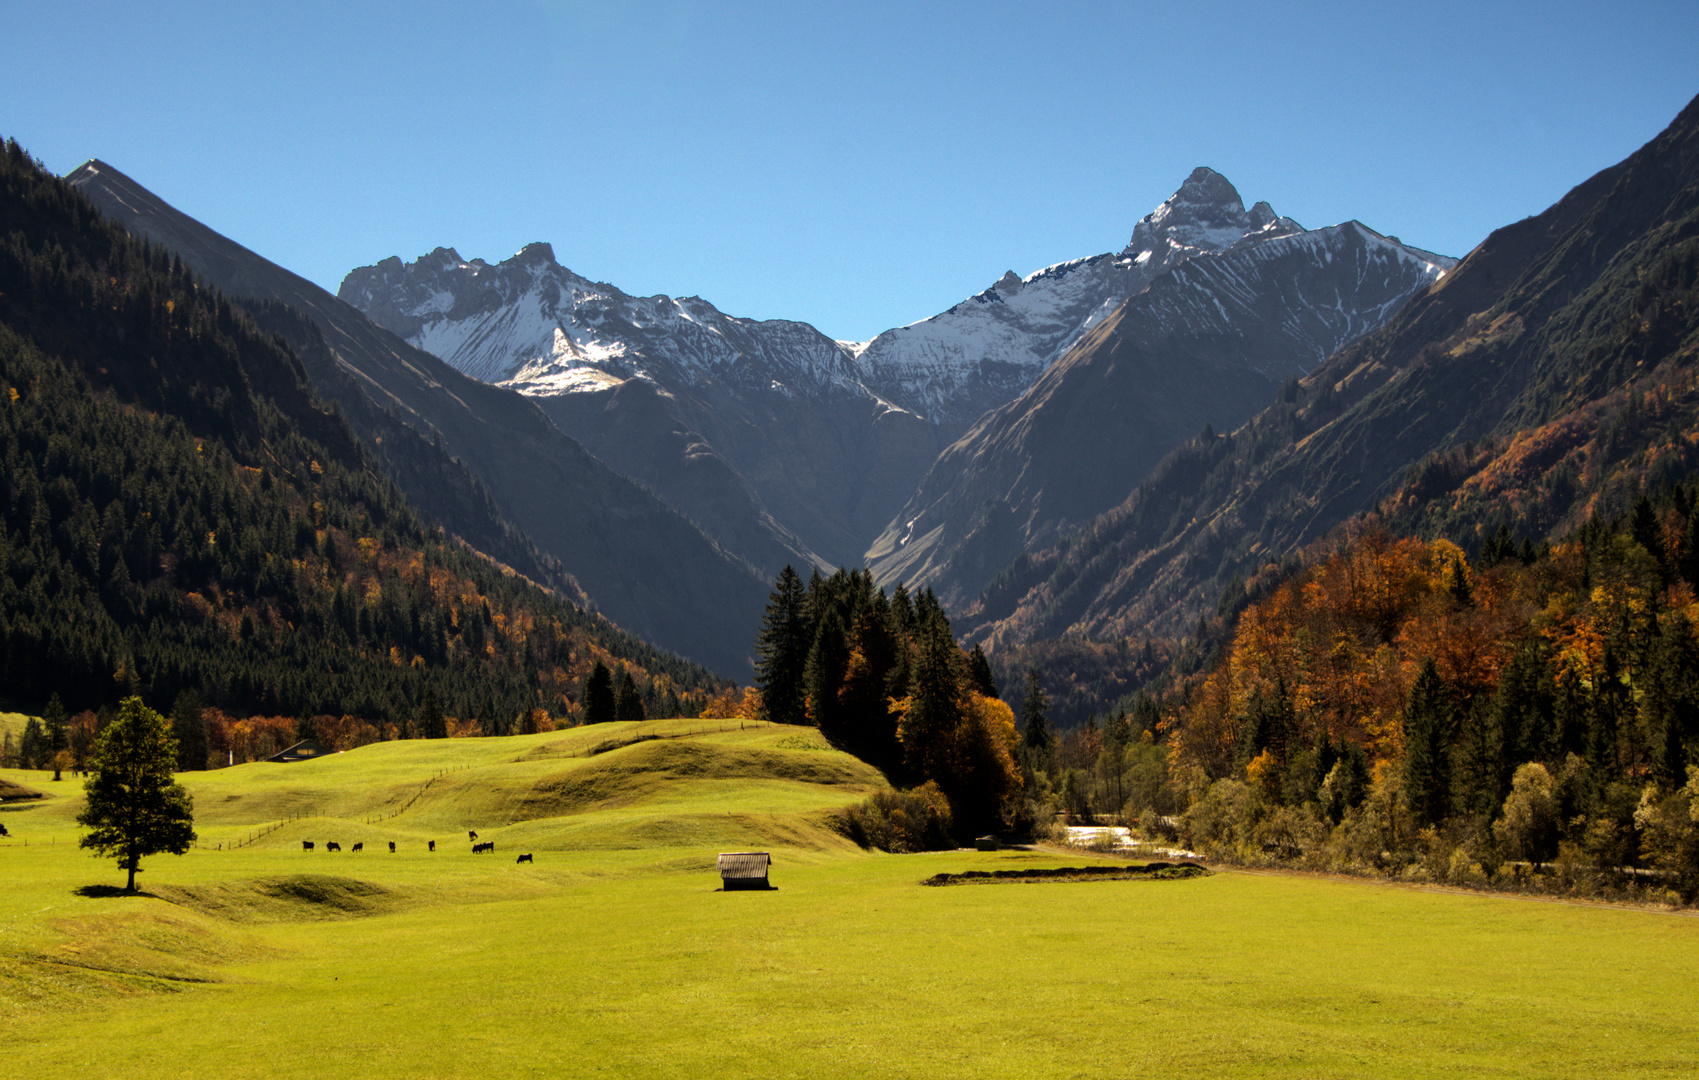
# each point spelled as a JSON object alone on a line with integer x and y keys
{"x": 305, "y": 750}
{"x": 745, "y": 870}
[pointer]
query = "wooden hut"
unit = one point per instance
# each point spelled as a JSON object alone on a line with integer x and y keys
{"x": 305, "y": 750}
{"x": 744, "y": 870}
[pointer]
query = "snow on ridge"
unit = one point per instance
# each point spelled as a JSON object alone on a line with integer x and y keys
{"x": 532, "y": 324}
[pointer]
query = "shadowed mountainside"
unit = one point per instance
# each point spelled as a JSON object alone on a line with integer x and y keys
{"x": 645, "y": 565}
{"x": 1546, "y": 318}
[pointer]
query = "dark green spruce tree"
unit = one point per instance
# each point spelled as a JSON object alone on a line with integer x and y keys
{"x": 600, "y": 706}
{"x": 134, "y": 808}
{"x": 781, "y": 651}
{"x": 188, "y": 724}
{"x": 1429, "y": 721}
{"x": 628, "y": 703}
{"x": 979, "y": 671}
{"x": 56, "y": 725}
{"x": 823, "y": 675}
{"x": 928, "y": 730}
{"x": 1035, "y": 714}
{"x": 432, "y": 724}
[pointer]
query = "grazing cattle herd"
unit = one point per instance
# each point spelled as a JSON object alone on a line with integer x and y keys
{"x": 477, "y": 848}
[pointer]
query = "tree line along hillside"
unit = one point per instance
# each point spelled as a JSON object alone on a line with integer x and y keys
{"x": 1393, "y": 705}
{"x": 181, "y": 512}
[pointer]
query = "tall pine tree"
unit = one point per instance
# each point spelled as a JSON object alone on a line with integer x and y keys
{"x": 188, "y": 724}
{"x": 1035, "y": 710}
{"x": 628, "y": 703}
{"x": 824, "y": 675}
{"x": 600, "y": 706}
{"x": 1429, "y": 721}
{"x": 781, "y": 651}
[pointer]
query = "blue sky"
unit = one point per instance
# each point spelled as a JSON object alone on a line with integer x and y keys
{"x": 854, "y": 165}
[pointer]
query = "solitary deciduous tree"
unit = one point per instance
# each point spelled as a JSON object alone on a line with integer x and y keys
{"x": 1529, "y": 828}
{"x": 134, "y": 807}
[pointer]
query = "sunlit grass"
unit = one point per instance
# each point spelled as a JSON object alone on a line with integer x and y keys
{"x": 614, "y": 953}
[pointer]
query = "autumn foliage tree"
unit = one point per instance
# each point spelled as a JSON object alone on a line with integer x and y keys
{"x": 1419, "y": 708}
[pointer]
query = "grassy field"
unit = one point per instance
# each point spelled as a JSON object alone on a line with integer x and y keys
{"x": 613, "y": 954}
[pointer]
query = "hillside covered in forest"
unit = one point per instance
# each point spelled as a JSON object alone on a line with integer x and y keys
{"x": 182, "y": 511}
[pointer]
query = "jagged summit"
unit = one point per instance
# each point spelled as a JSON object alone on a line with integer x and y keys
{"x": 540, "y": 252}
{"x": 1206, "y": 214}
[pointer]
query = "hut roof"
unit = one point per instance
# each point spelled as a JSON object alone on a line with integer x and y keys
{"x": 305, "y": 750}
{"x": 744, "y": 864}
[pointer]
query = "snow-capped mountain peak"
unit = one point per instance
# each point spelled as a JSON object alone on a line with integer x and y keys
{"x": 1205, "y": 216}
{"x": 990, "y": 347}
{"x": 532, "y": 324}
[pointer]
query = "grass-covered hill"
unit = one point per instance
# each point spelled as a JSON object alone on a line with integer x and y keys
{"x": 624, "y": 787}
{"x": 180, "y": 510}
{"x": 615, "y": 951}
{"x": 1574, "y": 327}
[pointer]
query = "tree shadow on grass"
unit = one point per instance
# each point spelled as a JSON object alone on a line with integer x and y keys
{"x": 106, "y": 892}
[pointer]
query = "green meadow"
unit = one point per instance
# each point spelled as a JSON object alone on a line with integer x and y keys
{"x": 614, "y": 953}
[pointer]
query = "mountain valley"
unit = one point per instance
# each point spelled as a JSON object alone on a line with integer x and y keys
{"x": 787, "y": 446}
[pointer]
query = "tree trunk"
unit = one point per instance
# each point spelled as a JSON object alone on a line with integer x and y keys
{"x": 132, "y": 868}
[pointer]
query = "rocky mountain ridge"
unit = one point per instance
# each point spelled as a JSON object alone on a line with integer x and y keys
{"x": 1207, "y": 343}
{"x": 1546, "y": 379}
{"x": 783, "y": 444}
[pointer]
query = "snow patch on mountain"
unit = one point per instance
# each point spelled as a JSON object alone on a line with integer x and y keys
{"x": 534, "y": 325}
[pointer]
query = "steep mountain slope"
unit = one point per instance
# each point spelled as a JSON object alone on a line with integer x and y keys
{"x": 781, "y": 443}
{"x": 761, "y": 432}
{"x": 985, "y": 351}
{"x": 1208, "y": 342}
{"x": 648, "y": 568}
{"x": 1549, "y": 320}
{"x": 180, "y": 510}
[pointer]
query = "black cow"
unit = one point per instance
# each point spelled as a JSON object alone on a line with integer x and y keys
{"x": 433, "y": 844}
{"x": 392, "y": 847}
{"x": 361, "y": 846}
{"x": 524, "y": 858}
{"x": 332, "y": 845}
{"x": 306, "y": 845}
{"x": 471, "y": 835}
{"x": 487, "y": 845}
